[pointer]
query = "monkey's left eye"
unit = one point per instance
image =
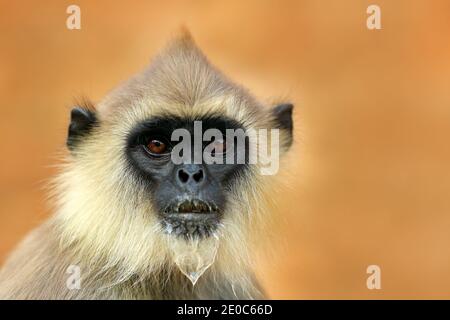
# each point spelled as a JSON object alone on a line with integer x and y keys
{"x": 219, "y": 146}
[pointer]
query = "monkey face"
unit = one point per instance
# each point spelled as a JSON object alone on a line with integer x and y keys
{"x": 190, "y": 197}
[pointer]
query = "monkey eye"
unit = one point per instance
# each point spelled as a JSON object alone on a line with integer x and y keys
{"x": 220, "y": 146}
{"x": 156, "y": 147}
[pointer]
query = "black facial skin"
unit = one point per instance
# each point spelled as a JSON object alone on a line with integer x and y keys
{"x": 190, "y": 198}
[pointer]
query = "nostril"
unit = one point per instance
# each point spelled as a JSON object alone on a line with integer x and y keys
{"x": 198, "y": 176}
{"x": 183, "y": 176}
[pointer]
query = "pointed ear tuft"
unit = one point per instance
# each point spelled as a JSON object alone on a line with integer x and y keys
{"x": 283, "y": 120}
{"x": 81, "y": 122}
{"x": 185, "y": 35}
{"x": 182, "y": 40}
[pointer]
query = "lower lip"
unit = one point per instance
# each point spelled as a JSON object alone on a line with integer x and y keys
{"x": 193, "y": 215}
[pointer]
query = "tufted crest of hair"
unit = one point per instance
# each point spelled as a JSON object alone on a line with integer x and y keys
{"x": 104, "y": 213}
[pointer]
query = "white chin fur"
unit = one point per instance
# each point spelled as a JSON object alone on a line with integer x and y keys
{"x": 194, "y": 256}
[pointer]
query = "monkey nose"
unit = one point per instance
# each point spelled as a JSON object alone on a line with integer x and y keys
{"x": 190, "y": 175}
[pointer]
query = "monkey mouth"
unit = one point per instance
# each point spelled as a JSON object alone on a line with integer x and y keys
{"x": 191, "y": 218}
{"x": 192, "y": 206}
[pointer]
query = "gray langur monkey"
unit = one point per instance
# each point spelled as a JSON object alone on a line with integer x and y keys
{"x": 131, "y": 222}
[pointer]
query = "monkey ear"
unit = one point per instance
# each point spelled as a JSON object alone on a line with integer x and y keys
{"x": 283, "y": 120}
{"x": 81, "y": 122}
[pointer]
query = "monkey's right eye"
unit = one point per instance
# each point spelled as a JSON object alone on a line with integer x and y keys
{"x": 156, "y": 147}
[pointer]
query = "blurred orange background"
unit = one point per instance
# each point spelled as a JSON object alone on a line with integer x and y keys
{"x": 369, "y": 172}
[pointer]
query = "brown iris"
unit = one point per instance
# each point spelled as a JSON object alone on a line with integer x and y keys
{"x": 156, "y": 146}
{"x": 219, "y": 146}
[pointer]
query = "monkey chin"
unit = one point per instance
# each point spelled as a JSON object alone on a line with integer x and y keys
{"x": 192, "y": 226}
{"x": 193, "y": 256}
{"x": 191, "y": 219}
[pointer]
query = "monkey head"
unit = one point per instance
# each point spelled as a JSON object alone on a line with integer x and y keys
{"x": 121, "y": 191}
